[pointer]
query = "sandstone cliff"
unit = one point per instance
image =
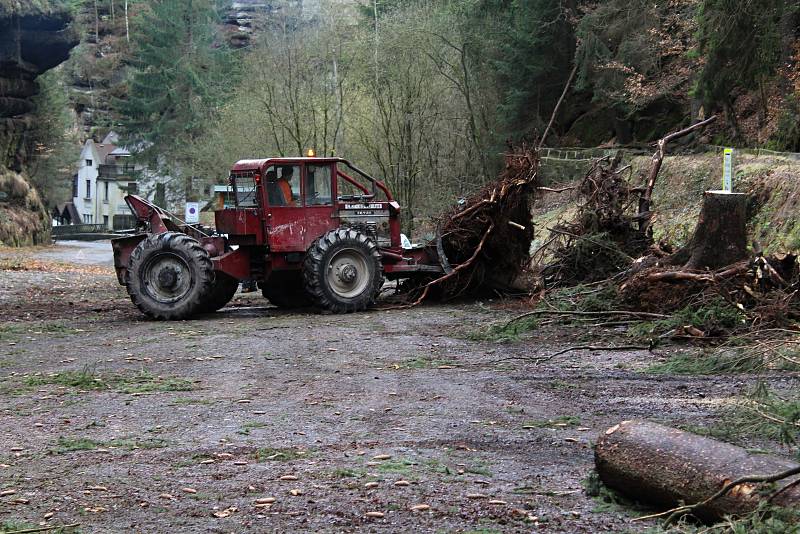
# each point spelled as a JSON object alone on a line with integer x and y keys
{"x": 34, "y": 36}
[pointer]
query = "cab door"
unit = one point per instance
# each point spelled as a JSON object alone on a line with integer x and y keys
{"x": 318, "y": 200}
{"x": 284, "y": 214}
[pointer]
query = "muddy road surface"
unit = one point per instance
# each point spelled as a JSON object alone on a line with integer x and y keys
{"x": 256, "y": 419}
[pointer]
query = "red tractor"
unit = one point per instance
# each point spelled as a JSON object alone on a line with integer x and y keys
{"x": 310, "y": 231}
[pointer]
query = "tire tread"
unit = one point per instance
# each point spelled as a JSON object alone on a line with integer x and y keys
{"x": 194, "y": 253}
{"x": 314, "y": 265}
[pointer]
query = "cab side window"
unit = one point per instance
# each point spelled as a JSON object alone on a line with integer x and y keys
{"x": 318, "y": 185}
{"x": 283, "y": 185}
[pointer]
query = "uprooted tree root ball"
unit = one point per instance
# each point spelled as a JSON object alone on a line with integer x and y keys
{"x": 485, "y": 241}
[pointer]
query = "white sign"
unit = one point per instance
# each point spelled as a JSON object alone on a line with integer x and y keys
{"x": 727, "y": 170}
{"x": 375, "y": 206}
{"x": 192, "y": 213}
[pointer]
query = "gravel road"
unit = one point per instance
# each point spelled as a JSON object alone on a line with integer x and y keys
{"x": 258, "y": 420}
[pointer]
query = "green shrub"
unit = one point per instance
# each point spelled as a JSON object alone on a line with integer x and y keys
{"x": 714, "y": 317}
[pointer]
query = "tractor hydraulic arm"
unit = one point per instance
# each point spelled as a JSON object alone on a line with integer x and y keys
{"x": 146, "y": 212}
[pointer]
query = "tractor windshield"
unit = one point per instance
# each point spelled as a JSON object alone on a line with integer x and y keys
{"x": 244, "y": 187}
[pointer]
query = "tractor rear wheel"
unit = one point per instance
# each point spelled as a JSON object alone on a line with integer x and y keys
{"x": 222, "y": 291}
{"x": 170, "y": 276}
{"x": 342, "y": 271}
{"x": 285, "y": 290}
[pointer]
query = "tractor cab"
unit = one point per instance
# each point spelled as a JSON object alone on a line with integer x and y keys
{"x": 288, "y": 203}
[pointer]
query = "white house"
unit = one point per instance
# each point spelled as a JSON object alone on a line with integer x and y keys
{"x": 105, "y": 176}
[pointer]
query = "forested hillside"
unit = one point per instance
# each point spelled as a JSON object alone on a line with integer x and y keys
{"x": 425, "y": 93}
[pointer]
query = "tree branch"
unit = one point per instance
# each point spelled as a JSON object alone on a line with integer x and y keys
{"x": 679, "y": 511}
{"x": 588, "y": 313}
{"x": 571, "y": 349}
{"x": 658, "y": 159}
{"x": 558, "y": 105}
{"x": 42, "y": 529}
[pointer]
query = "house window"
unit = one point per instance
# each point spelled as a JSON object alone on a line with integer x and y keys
{"x": 105, "y": 192}
{"x": 105, "y": 220}
{"x": 133, "y": 188}
{"x": 88, "y": 189}
{"x": 88, "y": 163}
{"x": 75, "y": 186}
{"x": 87, "y": 218}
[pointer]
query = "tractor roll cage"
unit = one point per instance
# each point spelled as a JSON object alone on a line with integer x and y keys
{"x": 375, "y": 183}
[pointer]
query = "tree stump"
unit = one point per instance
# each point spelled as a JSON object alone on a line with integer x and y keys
{"x": 666, "y": 466}
{"x": 720, "y": 237}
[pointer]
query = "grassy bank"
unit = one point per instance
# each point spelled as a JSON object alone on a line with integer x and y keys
{"x": 772, "y": 182}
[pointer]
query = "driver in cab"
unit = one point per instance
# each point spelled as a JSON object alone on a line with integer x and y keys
{"x": 279, "y": 190}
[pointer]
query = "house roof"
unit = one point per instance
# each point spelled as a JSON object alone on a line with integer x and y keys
{"x": 104, "y": 150}
{"x": 67, "y": 210}
{"x": 73, "y": 212}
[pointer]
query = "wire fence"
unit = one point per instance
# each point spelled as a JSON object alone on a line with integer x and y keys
{"x": 69, "y": 229}
{"x": 578, "y": 154}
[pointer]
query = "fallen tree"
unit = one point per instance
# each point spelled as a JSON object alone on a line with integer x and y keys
{"x": 485, "y": 241}
{"x": 668, "y": 467}
{"x": 612, "y": 227}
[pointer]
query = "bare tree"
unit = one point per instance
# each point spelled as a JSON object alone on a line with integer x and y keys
{"x": 96, "y": 24}
{"x": 127, "y": 26}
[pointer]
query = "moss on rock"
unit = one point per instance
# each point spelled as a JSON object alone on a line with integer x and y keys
{"x": 23, "y": 218}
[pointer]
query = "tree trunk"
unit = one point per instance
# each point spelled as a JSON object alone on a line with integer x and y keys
{"x": 788, "y": 25}
{"x": 720, "y": 237}
{"x": 730, "y": 114}
{"x": 96, "y": 24}
{"x": 666, "y": 467}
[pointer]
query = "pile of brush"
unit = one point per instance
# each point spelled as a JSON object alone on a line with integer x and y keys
{"x": 605, "y": 236}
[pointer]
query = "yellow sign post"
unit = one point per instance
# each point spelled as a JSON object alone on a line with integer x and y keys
{"x": 727, "y": 170}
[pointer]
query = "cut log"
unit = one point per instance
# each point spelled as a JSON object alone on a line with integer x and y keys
{"x": 720, "y": 237}
{"x": 666, "y": 467}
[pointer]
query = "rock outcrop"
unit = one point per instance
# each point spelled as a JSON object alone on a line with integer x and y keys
{"x": 34, "y": 37}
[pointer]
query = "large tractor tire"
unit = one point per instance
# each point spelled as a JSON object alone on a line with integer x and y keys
{"x": 342, "y": 271}
{"x": 170, "y": 276}
{"x": 222, "y": 291}
{"x": 285, "y": 290}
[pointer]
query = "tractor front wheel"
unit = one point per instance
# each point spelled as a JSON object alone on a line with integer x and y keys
{"x": 170, "y": 276}
{"x": 342, "y": 271}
